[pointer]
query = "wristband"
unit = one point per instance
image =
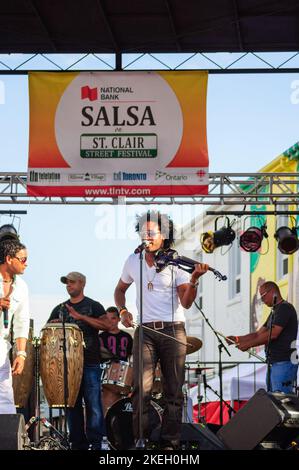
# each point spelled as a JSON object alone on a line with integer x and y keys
{"x": 194, "y": 284}
{"x": 22, "y": 353}
{"x": 122, "y": 310}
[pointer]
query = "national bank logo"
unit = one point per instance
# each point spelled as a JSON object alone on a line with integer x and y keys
{"x": 88, "y": 93}
{"x": 104, "y": 93}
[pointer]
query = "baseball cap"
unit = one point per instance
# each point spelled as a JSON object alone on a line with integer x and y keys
{"x": 73, "y": 276}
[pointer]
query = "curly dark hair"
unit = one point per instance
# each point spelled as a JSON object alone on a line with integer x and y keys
{"x": 10, "y": 247}
{"x": 164, "y": 223}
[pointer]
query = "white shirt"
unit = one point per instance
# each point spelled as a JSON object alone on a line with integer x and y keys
{"x": 19, "y": 310}
{"x": 162, "y": 303}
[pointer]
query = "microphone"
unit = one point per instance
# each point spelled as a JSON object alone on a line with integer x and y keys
{"x": 141, "y": 247}
{"x": 5, "y": 317}
{"x": 274, "y": 300}
{"x": 62, "y": 312}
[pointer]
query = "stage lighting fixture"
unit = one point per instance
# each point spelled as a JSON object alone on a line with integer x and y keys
{"x": 224, "y": 236}
{"x": 252, "y": 238}
{"x": 8, "y": 232}
{"x": 287, "y": 240}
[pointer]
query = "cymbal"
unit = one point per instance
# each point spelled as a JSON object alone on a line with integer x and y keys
{"x": 194, "y": 344}
{"x": 105, "y": 354}
{"x": 199, "y": 369}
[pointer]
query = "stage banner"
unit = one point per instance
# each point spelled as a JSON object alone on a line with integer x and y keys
{"x": 110, "y": 134}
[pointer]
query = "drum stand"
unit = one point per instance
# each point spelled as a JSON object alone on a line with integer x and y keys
{"x": 45, "y": 443}
{"x": 199, "y": 395}
{"x": 185, "y": 404}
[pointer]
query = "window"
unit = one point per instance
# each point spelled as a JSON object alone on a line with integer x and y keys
{"x": 234, "y": 261}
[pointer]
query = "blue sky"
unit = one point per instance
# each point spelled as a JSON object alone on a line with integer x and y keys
{"x": 250, "y": 120}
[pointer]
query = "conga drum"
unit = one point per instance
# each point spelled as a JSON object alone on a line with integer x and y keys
{"x": 52, "y": 362}
{"x": 23, "y": 383}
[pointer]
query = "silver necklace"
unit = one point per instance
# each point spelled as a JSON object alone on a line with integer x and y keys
{"x": 150, "y": 285}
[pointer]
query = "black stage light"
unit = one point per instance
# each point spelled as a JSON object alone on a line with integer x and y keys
{"x": 7, "y": 232}
{"x": 224, "y": 236}
{"x": 287, "y": 240}
{"x": 251, "y": 239}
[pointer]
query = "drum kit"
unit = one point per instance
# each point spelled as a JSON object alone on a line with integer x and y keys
{"x": 117, "y": 380}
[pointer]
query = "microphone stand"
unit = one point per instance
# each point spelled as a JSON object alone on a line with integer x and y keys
{"x": 206, "y": 385}
{"x": 267, "y": 349}
{"x": 140, "y": 444}
{"x": 221, "y": 346}
{"x": 65, "y": 372}
{"x": 37, "y": 430}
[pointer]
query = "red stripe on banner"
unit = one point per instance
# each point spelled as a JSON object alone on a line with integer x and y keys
{"x": 116, "y": 191}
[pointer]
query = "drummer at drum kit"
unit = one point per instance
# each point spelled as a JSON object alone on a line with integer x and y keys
{"x": 84, "y": 312}
{"x": 116, "y": 347}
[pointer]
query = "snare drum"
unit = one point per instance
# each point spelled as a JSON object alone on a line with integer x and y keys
{"x": 118, "y": 377}
{"x": 119, "y": 423}
{"x": 52, "y": 362}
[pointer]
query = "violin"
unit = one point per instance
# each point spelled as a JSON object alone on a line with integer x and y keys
{"x": 168, "y": 257}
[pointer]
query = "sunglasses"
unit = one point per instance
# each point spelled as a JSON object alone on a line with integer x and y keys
{"x": 149, "y": 233}
{"x": 22, "y": 260}
{"x": 261, "y": 296}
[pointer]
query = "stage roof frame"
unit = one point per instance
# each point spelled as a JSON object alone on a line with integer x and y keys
{"x": 157, "y": 27}
{"x": 245, "y": 189}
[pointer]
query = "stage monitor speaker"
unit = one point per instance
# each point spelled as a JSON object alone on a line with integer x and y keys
{"x": 268, "y": 420}
{"x": 13, "y": 434}
{"x": 199, "y": 437}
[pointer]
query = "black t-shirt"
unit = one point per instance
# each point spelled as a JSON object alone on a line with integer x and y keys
{"x": 91, "y": 308}
{"x": 282, "y": 347}
{"x": 119, "y": 344}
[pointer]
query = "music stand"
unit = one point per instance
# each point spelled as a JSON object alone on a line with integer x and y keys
{"x": 221, "y": 346}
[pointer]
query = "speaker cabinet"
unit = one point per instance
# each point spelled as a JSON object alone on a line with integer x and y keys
{"x": 267, "y": 419}
{"x": 199, "y": 437}
{"x": 13, "y": 435}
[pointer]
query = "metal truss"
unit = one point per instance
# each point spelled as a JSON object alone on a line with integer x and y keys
{"x": 214, "y": 63}
{"x": 257, "y": 189}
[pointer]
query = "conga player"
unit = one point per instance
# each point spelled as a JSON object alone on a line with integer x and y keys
{"x": 82, "y": 311}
